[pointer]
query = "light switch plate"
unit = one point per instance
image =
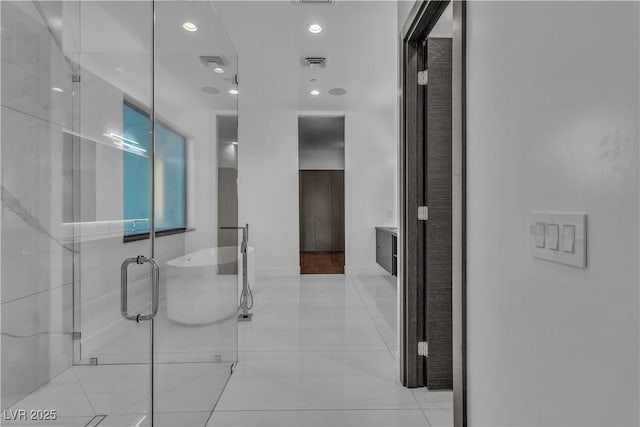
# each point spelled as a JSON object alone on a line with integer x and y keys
{"x": 560, "y": 227}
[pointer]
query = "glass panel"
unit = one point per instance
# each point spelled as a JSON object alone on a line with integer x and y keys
{"x": 68, "y": 68}
{"x": 195, "y": 337}
{"x": 170, "y": 179}
{"x": 93, "y": 160}
{"x": 136, "y": 128}
{"x": 37, "y": 250}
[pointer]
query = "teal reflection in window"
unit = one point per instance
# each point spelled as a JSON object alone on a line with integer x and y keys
{"x": 170, "y": 179}
{"x": 170, "y": 173}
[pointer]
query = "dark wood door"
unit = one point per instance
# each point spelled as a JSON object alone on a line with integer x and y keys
{"x": 321, "y": 195}
{"x": 337, "y": 211}
{"x": 323, "y": 211}
{"x": 437, "y": 173}
{"x": 307, "y": 194}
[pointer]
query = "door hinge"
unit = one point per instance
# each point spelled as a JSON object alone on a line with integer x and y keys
{"x": 423, "y": 77}
{"x": 76, "y": 335}
{"x": 423, "y": 349}
{"x": 423, "y": 213}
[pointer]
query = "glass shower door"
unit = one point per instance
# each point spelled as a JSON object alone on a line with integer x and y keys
{"x": 195, "y": 331}
{"x": 111, "y": 168}
{"x": 120, "y": 291}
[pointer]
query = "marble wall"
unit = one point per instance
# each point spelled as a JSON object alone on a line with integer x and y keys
{"x": 37, "y": 265}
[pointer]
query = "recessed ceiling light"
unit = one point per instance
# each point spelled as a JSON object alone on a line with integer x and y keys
{"x": 190, "y": 26}
{"x": 219, "y": 70}
{"x": 57, "y": 89}
{"x": 233, "y": 91}
{"x": 314, "y": 92}
{"x": 315, "y": 28}
{"x": 234, "y": 143}
{"x": 120, "y": 70}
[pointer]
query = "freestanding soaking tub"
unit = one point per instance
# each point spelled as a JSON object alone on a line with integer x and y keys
{"x": 203, "y": 287}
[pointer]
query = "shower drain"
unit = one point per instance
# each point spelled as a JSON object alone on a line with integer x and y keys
{"x": 93, "y": 422}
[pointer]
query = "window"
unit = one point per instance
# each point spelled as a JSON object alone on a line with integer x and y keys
{"x": 170, "y": 176}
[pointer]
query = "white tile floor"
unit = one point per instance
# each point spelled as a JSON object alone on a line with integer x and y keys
{"x": 184, "y": 395}
{"x": 320, "y": 352}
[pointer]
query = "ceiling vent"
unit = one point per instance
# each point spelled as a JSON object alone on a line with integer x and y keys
{"x": 315, "y": 63}
{"x": 212, "y": 61}
{"x": 315, "y": 1}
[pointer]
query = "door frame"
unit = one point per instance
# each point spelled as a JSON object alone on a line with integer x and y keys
{"x": 321, "y": 114}
{"x": 421, "y": 20}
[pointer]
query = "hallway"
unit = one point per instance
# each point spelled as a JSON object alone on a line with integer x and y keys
{"x": 320, "y": 352}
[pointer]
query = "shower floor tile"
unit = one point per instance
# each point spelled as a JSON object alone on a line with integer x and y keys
{"x": 372, "y": 418}
{"x": 183, "y": 391}
{"x": 64, "y": 394}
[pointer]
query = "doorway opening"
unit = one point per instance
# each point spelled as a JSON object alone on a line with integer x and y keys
{"x": 321, "y": 194}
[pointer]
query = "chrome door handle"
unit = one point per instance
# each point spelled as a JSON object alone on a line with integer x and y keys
{"x": 155, "y": 288}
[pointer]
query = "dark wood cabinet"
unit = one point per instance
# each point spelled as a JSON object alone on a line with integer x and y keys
{"x": 321, "y": 210}
{"x": 387, "y": 249}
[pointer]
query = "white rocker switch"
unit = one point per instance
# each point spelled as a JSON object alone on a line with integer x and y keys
{"x": 539, "y": 234}
{"x": 568, "y": 238}
{"x": 553, "y": 234}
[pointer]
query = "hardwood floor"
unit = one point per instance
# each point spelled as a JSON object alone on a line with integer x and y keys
{"x": 321, "y": 262}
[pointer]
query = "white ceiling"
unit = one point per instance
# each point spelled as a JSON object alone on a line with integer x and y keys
{"x": 114, "y": 40}
{"x": 359, "y": 40}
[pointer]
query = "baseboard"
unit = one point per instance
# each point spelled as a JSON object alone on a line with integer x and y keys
{"x": 371, "y": 269}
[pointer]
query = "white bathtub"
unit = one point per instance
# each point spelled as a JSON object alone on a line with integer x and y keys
{"x": 199, "y": 291}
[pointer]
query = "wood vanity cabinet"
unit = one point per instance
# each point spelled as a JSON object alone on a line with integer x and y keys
{"x": 387, "y": 249}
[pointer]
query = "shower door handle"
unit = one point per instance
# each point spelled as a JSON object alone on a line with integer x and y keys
{"x": 155, "y": 288}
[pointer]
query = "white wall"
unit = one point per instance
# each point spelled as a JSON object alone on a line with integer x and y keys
{"x": 268, "y": 186}
{"x": 404, "y": 8}
{"x": 36, "y": 264}
{"x": 552, "y": 125}
{"x": 268, "y": 128}
{"x": 321, "y": 158}
{"x": 370, "y": 184}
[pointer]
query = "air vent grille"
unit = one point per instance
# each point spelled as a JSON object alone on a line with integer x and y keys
{"x": 315, "y": 63}
{"x": 315, "y": 1}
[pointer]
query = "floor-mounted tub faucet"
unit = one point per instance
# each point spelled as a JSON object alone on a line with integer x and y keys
{"x": 244, "y": 315}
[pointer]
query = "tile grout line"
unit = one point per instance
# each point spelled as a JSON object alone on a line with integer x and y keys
{"x": 385, "y": 343}
{"x": 425, "y": 417}
{"x": 371, "y": 317}
{"x": 84, "y": 391}
{"x": 42, "y": 387}
{"x": 52, "y": 288}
